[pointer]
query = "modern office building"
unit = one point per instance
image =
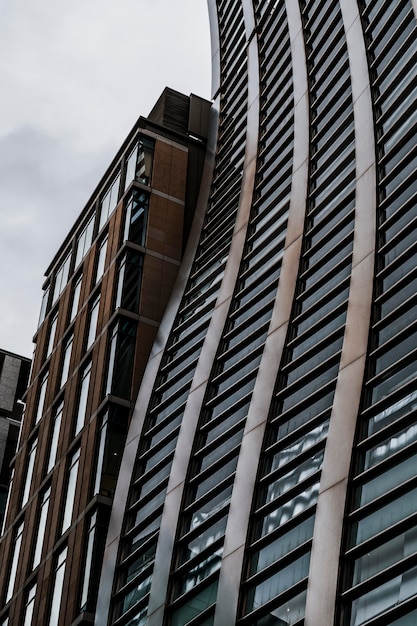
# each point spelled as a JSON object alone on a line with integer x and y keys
{"x": 14, "y": 376}
{"x": 269, "y": 474}
{"x": 104, "y": 295}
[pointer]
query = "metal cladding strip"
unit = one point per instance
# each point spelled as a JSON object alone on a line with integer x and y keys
{"x": 244, "y": 485}
{"x": 176, "y": 484}
{"x": 148, "y": 381}
{"x": 324, "y": 565}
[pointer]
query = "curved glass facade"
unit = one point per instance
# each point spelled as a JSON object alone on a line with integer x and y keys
{"x": 380, "y": 549}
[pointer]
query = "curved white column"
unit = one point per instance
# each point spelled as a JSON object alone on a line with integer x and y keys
{"x": 323, "y": 577}
{"x": 414, "y": 3}
{"x": 244, "y": 485}
{"x": 176, "y": 484}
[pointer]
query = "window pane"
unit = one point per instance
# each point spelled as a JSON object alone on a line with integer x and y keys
{"x": 41, "y": 397}
{"x": 66, "y": 361}
{"x": 70, "y": 493}
{"x": 15, "y": 560}
{"x": 112, "y": 438}
{"x": 58, "y": 587}
{"x": 129, "y": 281}
{"x": 88, "y": 559}
{"x": 84, "y": 241}
{"x": 92, "y": 327}
{"x": 120, "y": 359}
{"x": 139, "y": 162}
{"x": 30, "y": 603}
{"x": 29, "y": 471}
{"x": 54, "y": 437}
{"x": 109, "y": 201}
{"x": 61, "y": 277}
{"x": 51, "y": 338}
{"x": 101, "y": 259}
{"x": 75, "y": 298}
{"x": 195, "y": 605}
{"x": 41, "y": 527}
{"x": 136, "y": 217}
{"x": 44, "y": 306}
{"x": 82, "y": 400}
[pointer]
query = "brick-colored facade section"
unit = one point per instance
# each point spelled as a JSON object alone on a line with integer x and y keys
{"x": 161, "y": 259}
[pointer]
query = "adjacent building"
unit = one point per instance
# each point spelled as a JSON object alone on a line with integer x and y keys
{"x": 104, "y": 296}
{"x": 14, "y": 376}
{"x": 268, "y": 476}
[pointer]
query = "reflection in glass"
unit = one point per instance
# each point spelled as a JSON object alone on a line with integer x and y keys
{"x": 387, "y": 595}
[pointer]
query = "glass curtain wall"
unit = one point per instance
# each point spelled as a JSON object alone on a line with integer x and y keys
{"x": 280, "y": 535}
{"x": 380, "y": 551}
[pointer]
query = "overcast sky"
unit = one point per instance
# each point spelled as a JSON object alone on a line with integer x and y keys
{"x": 74, "y": 78}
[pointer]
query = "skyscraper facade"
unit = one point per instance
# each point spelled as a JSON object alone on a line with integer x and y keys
{"x": 270, "y": 472}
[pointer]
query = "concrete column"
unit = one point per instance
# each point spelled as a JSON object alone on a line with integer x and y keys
{"x": 244, "y": 485}
{"x": 323, "y": 577}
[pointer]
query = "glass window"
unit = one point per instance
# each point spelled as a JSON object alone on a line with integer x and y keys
{"x": 200, "y": 571}
{"x": 41, "y": 526}
{"x": 29, "y": 471}
{"x": 195, "y": 605}
{"x": 101, "y": 259}
{"x": 58, "y": 586}
{"x": 6, "y": 502}
{"x": 29, "y": 606}
{"x": 289, "y": 612}
{"x": 75, "y": 297}
{"x": 84, "y": 241}
{"x": 109, "y": 201}
{"x": 92, "y": 323}
{"x": 52, "y": 331}
{"x": 388, "y": 478}
{"x": 61, "y": 277}
{"x": 41, "y": 397}
{"x": 66, "y": 359}
{"x": 91, "y": 532}
{"x": 297, "y": 504}
{"x": 385, "y": 555}
{"x": 280, "y": 581}
{"x": 54, "y": 437}
{"x": 135, "y": 594}
{"x": 139, "y": 162}
{"x": 136, "y": 217}
{"x": 389, "y": 594}
{"x": 44, "y": 306}
{"x": 14, "y": 561}
{"x": 129, "y": 278}
{"x": 278, "y": 548}
{"x": 82, "y": 399}
{"x": 384, "y": 517}
{"x": 120, "y": 358}
{"x": 70, "y": 492}
{"x": 112, "y": 438}
{"x": 204, "y": 539}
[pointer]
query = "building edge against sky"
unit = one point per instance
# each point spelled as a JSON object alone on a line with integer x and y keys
{"x": 269, "y": 471}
